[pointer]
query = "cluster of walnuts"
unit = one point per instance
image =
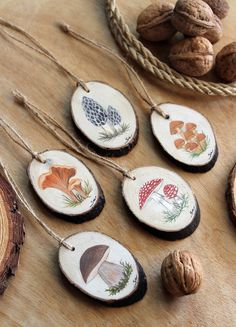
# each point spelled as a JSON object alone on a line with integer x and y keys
{"x": 200, "y": 22}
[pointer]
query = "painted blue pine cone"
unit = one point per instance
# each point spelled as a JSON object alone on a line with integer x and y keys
{"x": 113, "y": 116}
{"x": 94, "y": 112}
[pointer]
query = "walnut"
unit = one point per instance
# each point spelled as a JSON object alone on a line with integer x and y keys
{"x": 181, "y": 273}
{"x": 215, "y": 33}
{"x": 226, "y": 63}
{"x": 192, "y": 17}
{"x": 193, "y": 56}
{"x": 154, "y": 23}
{"x": 219, "y": 7}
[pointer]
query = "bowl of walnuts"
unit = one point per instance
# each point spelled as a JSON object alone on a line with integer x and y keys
{"x": 191, "y": 56}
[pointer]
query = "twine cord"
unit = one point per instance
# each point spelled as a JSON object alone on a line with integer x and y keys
{"x": 52, "y": 125}
{"x": 147, "y": 98}
{"x": 39, "y": 48}
{"x": 22, "y": 199}
{"x": 18, "y": 139}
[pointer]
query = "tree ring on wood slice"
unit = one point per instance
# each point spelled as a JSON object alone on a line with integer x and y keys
{"x": 186, "y": 137}
{"x": 231, "y": 195}
{"x": 11, "y": 233}
{"x": 161, "y": 200}
{"x": 106, "y": 118}
{"x": 66, "y": 186}
{"x": 102, "y": 268}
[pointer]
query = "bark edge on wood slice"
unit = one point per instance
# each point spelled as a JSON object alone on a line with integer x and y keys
{"x": 186, "y": 138}
{"x": 105, "y": 119}
{"x": 66, "y": 186}
{"x": 103, "y": 268}
{"x": 231, "y": 195}
{"x": 162, "y": 202}
{"x": 12, "y": 233}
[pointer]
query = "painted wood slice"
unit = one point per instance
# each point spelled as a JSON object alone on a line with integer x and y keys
{"x": 186, "y": 137}
{"x": 106, "y": 118}
{"x": 231, "y": 195}
{"x": 163, "y": 201}
{"x": 11, "y": 233}
{"x": 66, "y": 186}
{"x": 103, "y": 269}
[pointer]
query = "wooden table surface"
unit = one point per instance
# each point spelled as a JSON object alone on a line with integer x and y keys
{"x": 38, "y": 295}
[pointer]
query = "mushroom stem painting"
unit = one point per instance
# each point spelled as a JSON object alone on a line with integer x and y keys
{"x": 93, "y": 263}
{"x": 168, "y": 197}
{"x": 74, "y": 190}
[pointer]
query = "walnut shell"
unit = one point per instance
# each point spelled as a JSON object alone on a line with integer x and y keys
{"x": 215, "y": 33}
{"x": 192, "y": 17}
{"x": 181, "y": 273}
{"x": 154, "y": 23}
{"x": 226, "y": 63}
{"x": 219, "y": 7}
{"x": 193, "y": 56}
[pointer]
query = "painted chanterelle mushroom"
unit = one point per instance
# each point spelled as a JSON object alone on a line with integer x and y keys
{"x": 93, "y": 262}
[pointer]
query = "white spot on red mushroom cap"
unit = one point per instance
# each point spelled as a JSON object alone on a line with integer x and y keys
{"x": 147, "y": 189}
{"x": 170, "y": 191}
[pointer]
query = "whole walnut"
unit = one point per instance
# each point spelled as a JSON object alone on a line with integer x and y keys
{"x": 193, "y": 56}
{"x": 154, "y": 23}
{"x": 181, "y": 273}
{"x": 226, "y": 63}
{"x": 192, "y": 17}
{"x": 219, "y": 7}
{"x": 215, "y": 33}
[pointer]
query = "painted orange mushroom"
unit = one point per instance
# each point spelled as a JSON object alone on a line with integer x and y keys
{"x": 59, "y": 177}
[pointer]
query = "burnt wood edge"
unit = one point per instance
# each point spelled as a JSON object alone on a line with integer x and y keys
{"x": 16, "y": 238}
{"x": 229, "y": 196}
{"x": 139, "y": 292}
{"x": 104, "y": 151}
{"x": 171, "y": 236}
{"x": 190, "y": 168}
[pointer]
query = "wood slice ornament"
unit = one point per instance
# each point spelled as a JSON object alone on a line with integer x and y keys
{"x": 162, "y": 201}
{"x": 103, "y": 268}
{"x": 106, "y": 118}
{"x": 159, "y": 198}
{"x": 231, "y": 195}
{"x": 63, "y": 182}
{"x": 186, "y": 137}
{"x": 95, "y": 263}
{"x": 101, "y": 113}
{"x": 66, "y": 186}
{"x": 11, "y": 233}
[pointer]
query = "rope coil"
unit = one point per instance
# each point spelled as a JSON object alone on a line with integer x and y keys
{"x": 140, "y": 54}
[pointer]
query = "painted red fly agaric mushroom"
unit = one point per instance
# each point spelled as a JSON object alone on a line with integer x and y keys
{"x": 147, "y": 190}
{"x": 170, "y": 191}
{"x": 93, "y": 262}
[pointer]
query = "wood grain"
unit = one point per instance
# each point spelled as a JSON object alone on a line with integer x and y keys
{"x": 11, "y": 233}
{"x": 39, "y": 295}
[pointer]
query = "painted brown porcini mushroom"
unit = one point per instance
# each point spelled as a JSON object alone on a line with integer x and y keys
{"x": 58, "y": 177}
{"x": 176, "y": 127}
{"x": 93, "y": 262}
{"x": 179, "y": 143}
